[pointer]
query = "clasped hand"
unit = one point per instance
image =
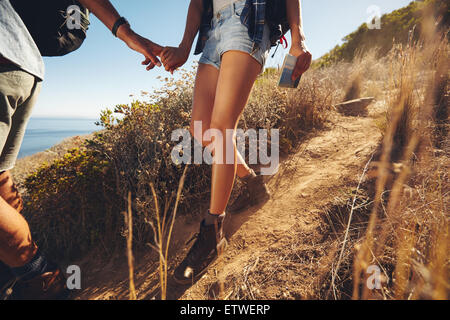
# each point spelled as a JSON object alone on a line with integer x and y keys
{"x": 174, "y": 57}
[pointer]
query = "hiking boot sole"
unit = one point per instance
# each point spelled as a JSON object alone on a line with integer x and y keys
{"x": 221, "y": 247}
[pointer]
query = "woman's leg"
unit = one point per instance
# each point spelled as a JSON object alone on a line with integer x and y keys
{"x": 237, "y": 75}
{"x": 219, "y": 98}
{"x": 203, "y": 103}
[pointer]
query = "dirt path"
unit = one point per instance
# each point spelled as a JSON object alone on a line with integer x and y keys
{"x": 261, "y": 240}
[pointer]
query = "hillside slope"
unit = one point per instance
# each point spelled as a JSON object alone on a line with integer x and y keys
{"x": 280, "y": 250}
{"x": 395, "y": 28}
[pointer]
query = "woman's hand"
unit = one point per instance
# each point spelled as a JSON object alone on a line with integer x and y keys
{"x": 304, "y": 59}
{"x": 174, "y": 57}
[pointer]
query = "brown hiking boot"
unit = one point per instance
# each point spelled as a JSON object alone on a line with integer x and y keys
{"x": 254, "y": 191}
{"x": 47, "y": 286}
{"x": 9, "y": 192}
{"x": 210, "y": 242}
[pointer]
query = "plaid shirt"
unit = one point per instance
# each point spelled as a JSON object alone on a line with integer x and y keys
{"x": 253, "y": 17}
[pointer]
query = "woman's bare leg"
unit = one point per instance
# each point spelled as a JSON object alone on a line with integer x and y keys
{"x": 237, "y": 75}
{"x": 204, "y": 96}
{"x": 219, "y": 98}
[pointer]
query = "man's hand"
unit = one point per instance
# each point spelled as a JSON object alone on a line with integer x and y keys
{"x": 105, "y": 11}
{"x": 149, "y": 49}
{"x": 174, "y": 57}
{"x": 304, "y": 59}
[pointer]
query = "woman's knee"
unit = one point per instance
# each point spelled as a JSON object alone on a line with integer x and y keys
{"x": 197, "y": 129}
{"x": 223, "y": 125}
{"x": 226, "y": 132}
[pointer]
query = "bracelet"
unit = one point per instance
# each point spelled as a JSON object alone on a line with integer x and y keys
{"x": 118, "y": 23}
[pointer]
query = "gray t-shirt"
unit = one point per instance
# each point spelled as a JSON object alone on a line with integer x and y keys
{"x": 16, "y": 43}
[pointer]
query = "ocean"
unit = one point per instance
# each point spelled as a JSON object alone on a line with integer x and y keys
{"x": 43, "y": 133}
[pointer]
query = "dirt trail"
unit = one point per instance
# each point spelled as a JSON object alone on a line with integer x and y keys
{"x": 306, "y": 183}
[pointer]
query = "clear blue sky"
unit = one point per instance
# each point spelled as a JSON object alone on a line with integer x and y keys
{"x": 104, "y": 72}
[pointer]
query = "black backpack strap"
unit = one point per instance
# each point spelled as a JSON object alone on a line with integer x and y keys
{"x": 276, "y": 16}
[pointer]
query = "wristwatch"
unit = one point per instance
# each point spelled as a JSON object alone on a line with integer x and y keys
{"x": 118, "y": 23}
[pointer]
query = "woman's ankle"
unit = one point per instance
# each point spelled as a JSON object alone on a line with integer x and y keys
{"x": 250, "y": 173}
{"x": 210, "y": 217}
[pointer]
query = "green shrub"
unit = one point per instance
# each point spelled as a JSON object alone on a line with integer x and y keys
{"x": 70, "y": 204}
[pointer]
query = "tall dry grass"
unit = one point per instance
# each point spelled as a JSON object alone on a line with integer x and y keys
{"x": 128, "y": 215}
{"x": 163, "y": 234}
{"x": 408, "y": 232}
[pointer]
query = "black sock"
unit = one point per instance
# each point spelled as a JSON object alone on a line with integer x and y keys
{"x": 37, "y": 266}
{"x": 211, "y": 218}
{"x": 252, "y": 174}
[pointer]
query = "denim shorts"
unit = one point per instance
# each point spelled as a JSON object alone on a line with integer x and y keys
{"x": 228, "y": 33}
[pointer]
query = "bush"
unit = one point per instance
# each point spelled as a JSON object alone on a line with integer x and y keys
{"x": 75, "y": 203}
{"x": 70, "y": 204}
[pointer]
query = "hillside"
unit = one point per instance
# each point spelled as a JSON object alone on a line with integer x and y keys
{"x": 281, "y": 250}
{"x": 357, "y": 189}
{"x": 396, "y": 28}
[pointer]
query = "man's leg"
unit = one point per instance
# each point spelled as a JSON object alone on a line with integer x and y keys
{"x": 36, "y": 277}
{"x": 9, "y": 191}
{"x": 18, "y": 94}
{"x": 17, "y": 247}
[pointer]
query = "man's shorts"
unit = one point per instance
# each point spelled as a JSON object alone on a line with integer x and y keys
{"x": 228, "y": 33}
{"x": 18, "y": 94}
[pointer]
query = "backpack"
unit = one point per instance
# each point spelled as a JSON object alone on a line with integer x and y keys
{"x": 276, "y": 16}
{"x": 55, "y": 29}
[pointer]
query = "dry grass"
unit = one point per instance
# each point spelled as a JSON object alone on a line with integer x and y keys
{"x": 163, "y": 233}
{"x": 408, "y": 231}
{"x": 129, "y": 236}
{"x": 397, "y": 217}
{"x": 347, "y": 229}
{"x": 401, "y": 201}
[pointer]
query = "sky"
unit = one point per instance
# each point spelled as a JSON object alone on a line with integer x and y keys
{"x": 104, "y": 72}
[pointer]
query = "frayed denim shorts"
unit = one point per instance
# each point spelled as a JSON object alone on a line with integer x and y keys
{"x": 228, "y": 33}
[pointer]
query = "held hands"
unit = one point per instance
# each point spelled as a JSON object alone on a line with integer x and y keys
{"x": 171, "y": 57}
{"x": 304, "y": 59}
{"x": 174, "y": 57}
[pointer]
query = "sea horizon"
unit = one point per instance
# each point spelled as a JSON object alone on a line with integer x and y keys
{"x": 43, "y": 133}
